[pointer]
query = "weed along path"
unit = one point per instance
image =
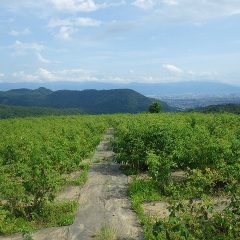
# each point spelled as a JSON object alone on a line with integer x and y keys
{"x": 104, "y": 209}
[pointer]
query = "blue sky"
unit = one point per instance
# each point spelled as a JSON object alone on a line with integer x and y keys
{"x": 120, "y": 41}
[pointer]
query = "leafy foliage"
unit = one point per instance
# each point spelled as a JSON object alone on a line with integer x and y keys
{"x": 155, "y": 107}
{"x": 199, "y": 221}
{"x": 35, "y": 154}
{"x": 206, "y": 148}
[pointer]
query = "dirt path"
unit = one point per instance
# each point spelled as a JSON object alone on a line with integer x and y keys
{"x": 102, "y": 202}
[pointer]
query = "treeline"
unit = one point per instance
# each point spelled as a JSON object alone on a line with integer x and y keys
{"x": 230, "y": 108}
{"x": 18, "y": 111}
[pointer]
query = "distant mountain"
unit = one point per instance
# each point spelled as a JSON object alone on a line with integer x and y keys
{"x": 25, "y": 97}
{"x": 89, "y": 101}
{"x": 148, "y": 89}
{"x": 187, "y": 88}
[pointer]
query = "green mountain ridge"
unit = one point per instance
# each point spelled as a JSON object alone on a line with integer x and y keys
{"x": 230, "y": 108}
{"x": 89, "y": 101}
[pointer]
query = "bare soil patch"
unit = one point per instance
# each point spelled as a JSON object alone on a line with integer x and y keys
{"x": 159, "y": 209}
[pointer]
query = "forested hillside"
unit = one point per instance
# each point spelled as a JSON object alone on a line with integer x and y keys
{"x": 89, "y": 101}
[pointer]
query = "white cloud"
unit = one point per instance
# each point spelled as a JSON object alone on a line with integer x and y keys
{"x": 207, "y": 74}
{"x": 41, "y": 58}
{"x": 144, "y": 4}
{"x": 82, "y": 75}
{"x": 77, "y": 5}
{"x": 22, "y": 76}
{"x": 140, "y": 78}
{"x": 21, "y": 48}
{"x": 65, "y": 33}
{"x": 77, "y": 22}
{"x": 48, "y": 8}
{"x": 46, "y": 74}
{"x": 16, "y": 33}
{"x": 172, "y": 68}
{"x": 188, "y": 10}
{"x": 76, "y": 75}
{"x": 171, "y": 2}
{"x": 66, "y": 27}
{"x": 2, "y": 75}
{"x": 149, "y": 4}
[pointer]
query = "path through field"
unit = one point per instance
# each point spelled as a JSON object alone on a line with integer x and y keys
{"x": 102, "y": 202}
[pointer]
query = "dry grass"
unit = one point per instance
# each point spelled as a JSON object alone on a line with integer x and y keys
{"x": 107, "y": 232}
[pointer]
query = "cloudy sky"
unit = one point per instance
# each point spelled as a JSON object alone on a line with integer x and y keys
{"x": 119, "y": 40}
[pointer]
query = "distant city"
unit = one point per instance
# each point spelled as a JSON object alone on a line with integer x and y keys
{"x": 187, "y": 102}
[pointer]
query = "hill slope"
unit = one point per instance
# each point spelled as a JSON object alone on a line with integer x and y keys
{"x": 89, "y": 101}
{"x": 231, "y": 108}
{"x": 18, "y": 111}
